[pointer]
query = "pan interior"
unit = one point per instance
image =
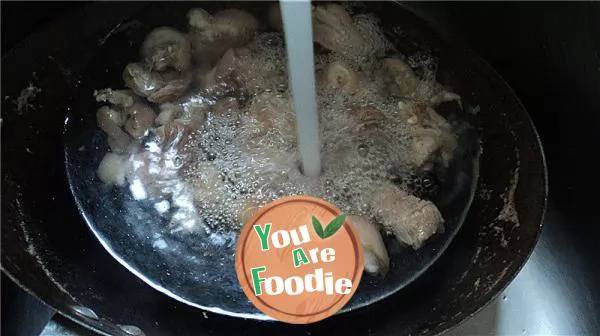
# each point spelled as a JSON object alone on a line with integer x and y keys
{"x": 191, "y": 267}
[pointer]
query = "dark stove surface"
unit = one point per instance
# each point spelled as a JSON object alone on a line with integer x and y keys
{"x": 550, "y": 54}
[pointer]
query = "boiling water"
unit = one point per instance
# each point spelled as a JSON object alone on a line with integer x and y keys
{"x": 297, "y": 24}
{"x": 233, "y": 163}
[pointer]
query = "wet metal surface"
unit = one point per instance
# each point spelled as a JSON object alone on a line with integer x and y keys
{"x": 548, "y": 297}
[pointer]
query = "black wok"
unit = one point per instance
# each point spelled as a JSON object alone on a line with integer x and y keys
{"x": 48, "y": 250}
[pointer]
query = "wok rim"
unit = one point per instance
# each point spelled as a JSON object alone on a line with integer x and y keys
{"x": 542, "y": 193}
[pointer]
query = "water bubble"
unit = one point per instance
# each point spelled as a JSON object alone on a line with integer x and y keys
{"x": 243, "y": 161}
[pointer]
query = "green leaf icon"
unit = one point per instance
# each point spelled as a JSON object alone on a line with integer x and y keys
{"x": 317, "y": 226}
{"x": 334, "y": 226}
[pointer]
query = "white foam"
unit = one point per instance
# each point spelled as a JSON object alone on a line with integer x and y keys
{"x": 137, "y": 190}
{"x": 160, "y": 244}
{"x": 162, "y": 206}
